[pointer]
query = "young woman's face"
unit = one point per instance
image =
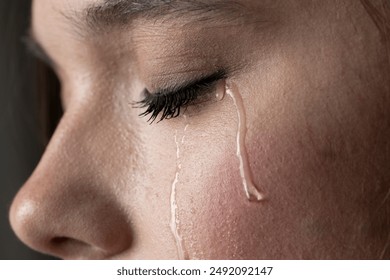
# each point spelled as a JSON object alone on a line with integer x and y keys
{"x": 299, "y": 87}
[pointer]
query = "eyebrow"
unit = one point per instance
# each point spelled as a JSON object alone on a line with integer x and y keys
{"x": 116, "y": 13}
{"x": 98, "y": 18}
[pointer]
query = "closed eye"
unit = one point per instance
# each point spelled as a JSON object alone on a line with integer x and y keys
{"x": 169, "y": 103}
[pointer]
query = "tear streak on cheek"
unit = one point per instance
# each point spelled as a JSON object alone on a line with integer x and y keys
{"x": 220, "y": 222}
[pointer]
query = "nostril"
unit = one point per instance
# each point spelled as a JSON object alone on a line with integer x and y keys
{"x": 70, "y": 248}
{"x": 66, "y": 242}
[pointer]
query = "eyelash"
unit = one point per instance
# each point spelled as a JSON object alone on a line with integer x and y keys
{"x": 170, "y": 102}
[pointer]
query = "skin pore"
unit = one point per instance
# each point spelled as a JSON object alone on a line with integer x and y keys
{"x": 314, "y": 80}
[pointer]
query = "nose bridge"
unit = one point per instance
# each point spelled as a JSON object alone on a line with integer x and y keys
{"x": 66, "y": 207}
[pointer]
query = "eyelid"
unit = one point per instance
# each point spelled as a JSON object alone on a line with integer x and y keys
{"x": 170, "y": 101}
{"x": 194, "y": 84}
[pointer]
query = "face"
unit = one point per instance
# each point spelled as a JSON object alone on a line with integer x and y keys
{"x": 268, "y": 133}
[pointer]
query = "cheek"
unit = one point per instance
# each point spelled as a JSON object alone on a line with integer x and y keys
{"x": 215, "y": 219}
{"x": 214, "y": 222}
{"x": 303, "y": 215}
{"x": 218, "y": 221}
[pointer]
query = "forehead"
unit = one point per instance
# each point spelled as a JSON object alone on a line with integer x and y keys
{"x": 50, "y": 15}
{"x": 51, "y": 7}
{"x": 50, "y": 19}
{"x": 55, "y": 9}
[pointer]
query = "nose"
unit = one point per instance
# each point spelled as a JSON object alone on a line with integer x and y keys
{"x": 66, "y": 208}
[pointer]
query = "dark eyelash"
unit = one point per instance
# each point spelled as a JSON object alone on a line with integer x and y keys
{"x": 169, "y": 102}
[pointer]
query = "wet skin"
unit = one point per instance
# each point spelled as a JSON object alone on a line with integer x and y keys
{"x": 314, "y": 80}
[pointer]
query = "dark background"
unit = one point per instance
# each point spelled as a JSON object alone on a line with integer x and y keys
{"x": 20, "y": 143}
